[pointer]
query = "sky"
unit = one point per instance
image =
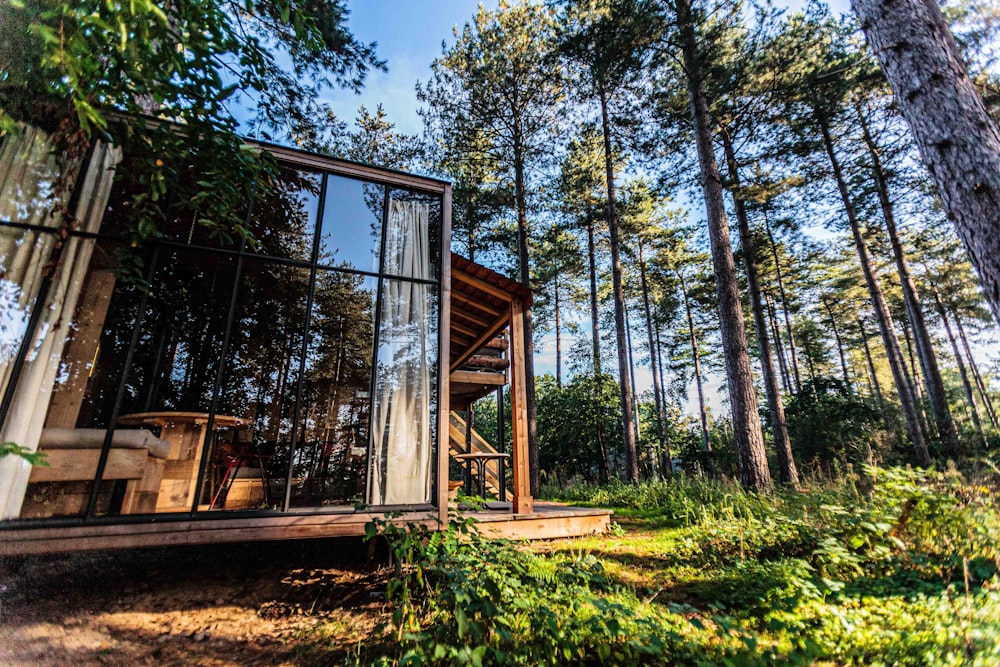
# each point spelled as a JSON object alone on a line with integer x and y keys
{"x": 409, "y": 35}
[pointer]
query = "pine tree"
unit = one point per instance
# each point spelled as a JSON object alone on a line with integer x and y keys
{"x": 499, "y": 77}
{"x": 959, "y": 141}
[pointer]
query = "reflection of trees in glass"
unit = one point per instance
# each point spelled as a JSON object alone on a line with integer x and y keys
{"x": 180, "y": 342}
{"x": 284, "y": 223}
{"x": 266, "y": 348}
{"x": 336, "y": 400}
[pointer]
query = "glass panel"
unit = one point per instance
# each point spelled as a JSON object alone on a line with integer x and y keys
{"x": 28, "y": 174}
{"x": 413, "y": 233}
{"x": 332, "y": 458}
{"x": 169, "y": 386}
{"x": 185, "y": 220}
{"x": 135, "y": 461}
{"x": 284, "y": 224}
{"x": 26, "y": 169}
{"x": 247, "y": 469}
{"x": 403, "y": 425}
{"x": 23, "y": 255}
{"x": 352, "y": 224}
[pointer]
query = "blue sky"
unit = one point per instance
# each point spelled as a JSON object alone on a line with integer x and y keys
{"x": 409, "y": 35}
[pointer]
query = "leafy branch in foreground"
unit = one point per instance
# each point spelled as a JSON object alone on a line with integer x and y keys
{"x": 14, "y": 449}
{"x": 72, "y": 68}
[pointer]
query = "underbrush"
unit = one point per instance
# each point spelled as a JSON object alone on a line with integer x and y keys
{"x": 892, "y": 567}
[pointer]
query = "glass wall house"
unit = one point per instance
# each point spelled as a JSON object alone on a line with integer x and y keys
{"x": 299, "y": 373}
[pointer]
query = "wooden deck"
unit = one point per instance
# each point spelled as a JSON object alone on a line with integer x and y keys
{"x": 547, "y": 521}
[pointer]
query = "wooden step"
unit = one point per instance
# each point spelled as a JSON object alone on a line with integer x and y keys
{"x": 456, "y": 432}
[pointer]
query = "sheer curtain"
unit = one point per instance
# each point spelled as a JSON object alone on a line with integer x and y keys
{"x": 27, "y": 172}
{"x": 400, "y": 463}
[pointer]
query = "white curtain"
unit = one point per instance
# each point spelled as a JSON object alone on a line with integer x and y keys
{"x": 400, "y": 461}
{"x": 27, "y": 172}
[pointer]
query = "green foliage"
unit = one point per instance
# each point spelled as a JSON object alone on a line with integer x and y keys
{"x": 891, "y": 567}
{"x": 461, "y": 599}
{"x": 71, "y": 67}
{"x": 828, "y": 423}
{"x": 568, "y": 419}
{"x": 14, "y": 449}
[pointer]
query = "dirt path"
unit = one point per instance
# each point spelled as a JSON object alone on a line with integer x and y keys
{"x": 278, "y": 603}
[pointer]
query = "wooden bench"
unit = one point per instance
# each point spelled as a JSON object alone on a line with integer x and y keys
{"x": 63, "y": 487}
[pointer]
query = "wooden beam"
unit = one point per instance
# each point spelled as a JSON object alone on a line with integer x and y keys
{"x": 355, "y": 170}
{"x": 468, "y": 332}
{"x": 483, "y": 361}
{"x": 479, "y": 283}
{"x": 542, "y": 527}
{"x": 478, "y": 378}
{"x": 444, "y": 356}
{"x": 479, "y": 305}
{"x": 472, "y": 317}
{"x": 487, "y": 335}
{"x": 523, "y": 502}
{"x": 75, "y": 465}
{"x": 545, "y": 524}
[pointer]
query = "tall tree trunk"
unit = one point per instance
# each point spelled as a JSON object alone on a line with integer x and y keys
{"x": 914, "y": 380}
{"x": 958, "y": 139}
{"x": 840, "y": 344}
{"x": 882, "y": 315}
{"x": 779, "y": 347}
{"x": 696, "y": 356}
{"x": 631, "y": 373}
{"x": 914, "y": 376}
{"x": 792, "y": 351}
{"x": 658, "y": 398}
{"x": 974, "y": 367}
{"x": 665, "y": 456}
{"x": 871, "y": 367}
{"x": 595, "y": 332}
{"x": 963, "y": 373}
{"x": 751, "y": 456}
{"x": 558, "y": 333}
{"x": 521, "y": 202}
{"x": 787, "y": 472}
{"x": 628, "y": 428}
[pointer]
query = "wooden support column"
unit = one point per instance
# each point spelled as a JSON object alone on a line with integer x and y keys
{"x": 523, "y": 502}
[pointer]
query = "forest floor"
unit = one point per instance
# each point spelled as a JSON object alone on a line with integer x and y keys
{"x": 239, "y": 604}
{"x": 902, "y": 573}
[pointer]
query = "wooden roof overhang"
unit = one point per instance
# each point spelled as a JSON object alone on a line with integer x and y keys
{"x": 480, "y": 307}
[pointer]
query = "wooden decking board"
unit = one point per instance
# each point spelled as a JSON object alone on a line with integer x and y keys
{"x": 545, "y": 522}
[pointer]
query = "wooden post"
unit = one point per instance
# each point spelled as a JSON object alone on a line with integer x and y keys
{"x": 523, "y": 502}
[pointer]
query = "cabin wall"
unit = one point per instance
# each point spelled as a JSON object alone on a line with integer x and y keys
{"x": 301, "y": 375}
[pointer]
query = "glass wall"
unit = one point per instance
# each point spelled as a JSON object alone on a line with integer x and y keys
{"x": 294, "y": 373}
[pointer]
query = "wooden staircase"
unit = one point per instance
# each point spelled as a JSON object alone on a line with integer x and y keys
{"x": 456, "y": 438}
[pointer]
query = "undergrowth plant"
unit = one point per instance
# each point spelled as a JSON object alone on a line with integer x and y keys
{"x": 460, "y": 599}
{"x": 885, "y": 567}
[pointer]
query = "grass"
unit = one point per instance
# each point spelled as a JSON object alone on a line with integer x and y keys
{"x": 891, "y": 567}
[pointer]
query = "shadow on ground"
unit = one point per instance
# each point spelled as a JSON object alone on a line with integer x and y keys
{"x": 271, "y": 603}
